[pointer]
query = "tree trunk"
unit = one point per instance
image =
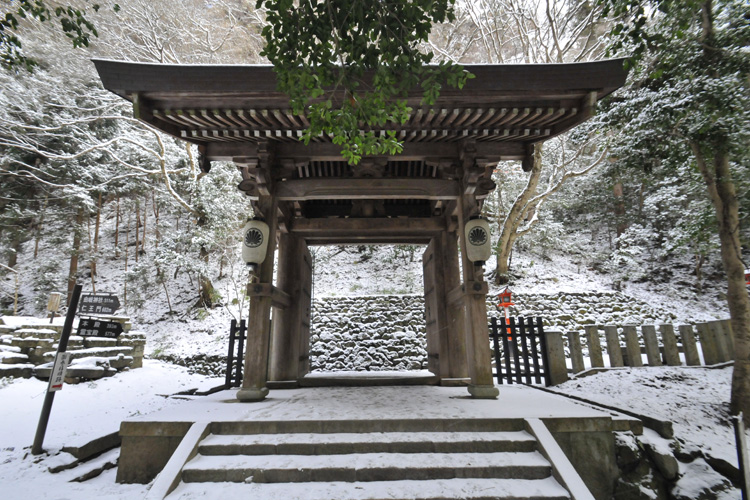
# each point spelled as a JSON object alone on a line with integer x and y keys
{"x": 620, "y": 223}
{"x": 145, "y": 220}
{"x": 207, "y": 292}
{"x": 117, "y": 227}
{"x": 137, "y": 226}
{"x": 515, "y": 217}
{"x": 155, "y": 207}
{"x": 73, "y": 270}
{"x": 39, "y": 227}
{"x": 724, "y": 198}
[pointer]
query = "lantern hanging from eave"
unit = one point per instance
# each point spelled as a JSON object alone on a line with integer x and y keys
{"x": 478, "y": 245}
{"x": 254, "y": 242}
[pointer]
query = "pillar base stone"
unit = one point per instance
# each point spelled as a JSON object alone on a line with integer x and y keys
{"x": 483, "y": 391}
{"x": 252, "y": 394}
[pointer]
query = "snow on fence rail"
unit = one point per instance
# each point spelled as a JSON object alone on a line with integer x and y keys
{"x": 624, "y": 346}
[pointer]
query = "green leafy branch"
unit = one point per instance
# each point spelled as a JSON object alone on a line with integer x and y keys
{"x": 349, "y": 65}
{"x": 73, "y": 23}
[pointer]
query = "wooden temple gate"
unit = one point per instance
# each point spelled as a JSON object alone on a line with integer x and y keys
{"x": 308, "y": 195}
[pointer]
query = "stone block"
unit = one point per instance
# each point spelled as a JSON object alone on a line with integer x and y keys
{"x": 13, "y": 358}
{"x": 89, "y": 342}
{"x": 39, "y": 356}
{"x": 30, "y": 342}
{"x": 17, "y": 371}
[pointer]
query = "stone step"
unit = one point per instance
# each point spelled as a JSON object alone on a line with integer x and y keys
{"x": 385, "y": 442}
{"x": 17, "y": 371}
{"x": 365, "y": 467}
{"x": 13, "y": 358}
{"x": 101, "y": 352}
{"x": 368, "y": 426}
{"x": 469, "y": 489}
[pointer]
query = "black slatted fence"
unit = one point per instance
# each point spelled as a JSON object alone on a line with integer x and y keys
{"x": 236, "y": 356}
{"x": 520, "y": 351}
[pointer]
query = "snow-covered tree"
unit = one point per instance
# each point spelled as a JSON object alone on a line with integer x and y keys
{"x": 690, "y": 104}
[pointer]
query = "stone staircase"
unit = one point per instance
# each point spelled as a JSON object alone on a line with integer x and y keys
{"x": 359, "y": 460}
{"x": 29, "y": 350}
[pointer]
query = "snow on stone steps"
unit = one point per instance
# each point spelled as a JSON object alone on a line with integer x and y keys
{"x": 441, "y": 489}
{"x": 380, "y": 442}
{"x": 365, "y": 467}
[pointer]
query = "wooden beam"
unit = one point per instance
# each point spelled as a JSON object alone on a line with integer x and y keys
{"x": 369, "y": 240}
{"x": 367, "y": 228}
{"x": 279, "y": 298}
{"x": 366, "y": 189}
{"x": 322, "y": 151}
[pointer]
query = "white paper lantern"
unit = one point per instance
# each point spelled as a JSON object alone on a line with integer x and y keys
{"x": 255, "y": 242}
{"x": 478, "y": 245}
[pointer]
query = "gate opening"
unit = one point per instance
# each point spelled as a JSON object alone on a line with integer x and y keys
{"x": 368, "y": 312}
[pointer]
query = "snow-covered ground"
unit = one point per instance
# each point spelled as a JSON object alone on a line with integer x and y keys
{"x": 80, "y": 413}
{"x": 694, "y": 399}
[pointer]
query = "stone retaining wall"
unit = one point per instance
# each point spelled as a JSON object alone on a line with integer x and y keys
{"x": 387, "y": 332}
{"x": 380, "y": 332}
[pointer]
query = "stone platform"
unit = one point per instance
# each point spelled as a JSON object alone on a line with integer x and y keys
{"x": 584, "y": 433}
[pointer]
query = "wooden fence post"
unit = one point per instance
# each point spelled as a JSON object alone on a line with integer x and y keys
{"x": 688, "y": 346}
{"x": 613, "y": 346}
{"x": 729, "y": 335}
{"x": 708, "y": 344}
{"x": 717, "y": 328}
{"x": 671, "y": 353}
{"x": 595, "y": 345}
{"x": 558, "y": 369}
{"x": 632, "y": 347}
{"x": 576, "y": 354}
{"x": 652, "y": 345}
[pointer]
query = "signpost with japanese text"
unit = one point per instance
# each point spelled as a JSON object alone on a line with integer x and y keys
{"x": 87, "y": 327}
{"x": 94, "y": 327}
{"x": 99, "y": 304}
{"x": 57, "y": 376}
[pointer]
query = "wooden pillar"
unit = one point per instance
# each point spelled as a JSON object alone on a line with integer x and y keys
{"x": 305, "y": 309}
{"x": 285, "y": 342}
{"x": 456, "y": 336}
{"x": 475, "y": 320}
{"x": 436, "y": 310}
{"x": 259, "y": 318}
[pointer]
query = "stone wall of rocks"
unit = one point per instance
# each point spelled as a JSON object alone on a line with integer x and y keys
{"x": 387, "y": 332}
{"x": 573, "y": 311}
{"x": 381, "y": 332}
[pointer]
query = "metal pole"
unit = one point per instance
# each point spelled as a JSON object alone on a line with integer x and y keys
{"x": 62, "y": 345}
{"x": 742, "y": 455}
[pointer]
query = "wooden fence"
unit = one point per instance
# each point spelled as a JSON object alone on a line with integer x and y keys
{"x": 624, "y": 346}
